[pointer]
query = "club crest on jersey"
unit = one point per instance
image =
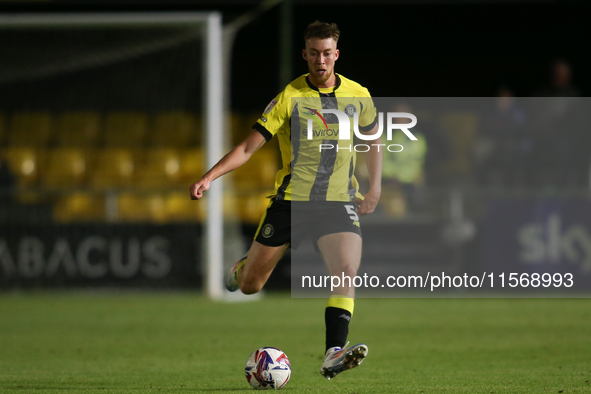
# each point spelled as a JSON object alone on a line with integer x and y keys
{"x": 350, "y": 110}
{"x": 270, "y": 107}
{"x": 268, "y": 231}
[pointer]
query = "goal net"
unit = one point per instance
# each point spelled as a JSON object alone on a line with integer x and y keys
{"x": 107, "y": 118}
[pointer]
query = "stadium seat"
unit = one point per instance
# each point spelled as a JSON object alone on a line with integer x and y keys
{"x": 263, "y": 165}
{"x": 78, "y": 129}
{"x": 174, "y": 130}
{"x": 30, "y": 129}
{"x": 135, "y": 207}
{"x": 114, "y": 168}
{"x": 125, "y": 129}
{"x": 180, "y": 208}
{"x": 158, "y": 168}
{"x": 79, "y": 206}
{"x": 192, "y": 166}
{"x": 66, "y": 168}
{"x": 252, "y": 207}
{"x": 24, "y": 164}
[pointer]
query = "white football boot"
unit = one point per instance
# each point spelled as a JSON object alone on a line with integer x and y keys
{"x": 338, "y": 360}
{"x": 232, "y": 279}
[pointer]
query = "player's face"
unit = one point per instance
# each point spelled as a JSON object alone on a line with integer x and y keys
{"x": 321, "y": 55}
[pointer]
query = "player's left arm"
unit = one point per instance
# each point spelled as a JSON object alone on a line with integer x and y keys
{"x": 374, "y": 168}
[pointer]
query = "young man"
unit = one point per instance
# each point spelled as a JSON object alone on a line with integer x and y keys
{"x": 319, "y": 181}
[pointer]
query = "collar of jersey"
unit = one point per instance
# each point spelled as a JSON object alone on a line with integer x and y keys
{"x": 324, "y": 90}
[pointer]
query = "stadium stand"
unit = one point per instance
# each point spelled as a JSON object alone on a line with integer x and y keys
{"x": 264, "y": 164}
{"x": 24, "y": 164}
{"x": 192, "y": 165}
{"x": 114, "y": 168}
{"x": 79, "y": 160}
{"x": 179, "y": 208}
{"x": 252, "y": 207}
{"x": 80, "y": 206}
{"x": 66, "y": 168}
{"x": 159, "y": 168}
{"x": 30, "y": 129}
{"x": 136, "y": 207}
{"x": 174, "y": 130}
{"x": 78, "y": 129}
{"x": 125, "y": 129}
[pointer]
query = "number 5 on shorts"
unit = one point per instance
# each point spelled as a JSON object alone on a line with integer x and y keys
{"x": 352, "y": 212}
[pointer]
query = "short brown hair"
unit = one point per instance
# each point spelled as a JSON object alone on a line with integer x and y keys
{"x": 322, "y": 30}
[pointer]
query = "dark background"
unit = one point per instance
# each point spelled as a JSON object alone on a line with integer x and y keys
{"x": 427, "y": 48}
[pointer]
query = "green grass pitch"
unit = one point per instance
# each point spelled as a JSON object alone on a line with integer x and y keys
{"x": 74, "y": 342}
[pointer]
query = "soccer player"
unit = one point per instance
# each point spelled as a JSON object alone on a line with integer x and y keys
{"x": 319, "y": 181}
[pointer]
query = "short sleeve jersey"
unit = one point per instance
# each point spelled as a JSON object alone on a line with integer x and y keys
{"x": 309, "y": 173}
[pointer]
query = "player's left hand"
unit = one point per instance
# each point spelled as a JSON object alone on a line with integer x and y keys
{"x": 368, "y": 204}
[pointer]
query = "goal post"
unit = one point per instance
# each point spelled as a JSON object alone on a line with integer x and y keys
{"x": 192, "y": 25}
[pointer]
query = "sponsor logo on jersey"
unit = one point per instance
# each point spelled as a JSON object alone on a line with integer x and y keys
{"x": 269, "y": 107}
{"x": 317, "y": 116}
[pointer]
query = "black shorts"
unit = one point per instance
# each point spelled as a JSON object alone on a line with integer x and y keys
{"x": 287, "y": 222}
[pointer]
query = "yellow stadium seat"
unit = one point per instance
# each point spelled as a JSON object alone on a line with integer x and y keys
{"x": 79, "y": 206}
{"x": 258, "y": 172}
{"x": 175, "y": 130}
{"x": 252, "y": 207}
{"x": 66, "y": 168}
{"x": 159, "y": 168}
{"x": 180, "y": 208}
{"x": 30, "y": 129}
{"x": 125, "y": 129}
{"x": 114, "y": 168}
{"x": 78, "y": 129}
{"x": 134, "y": 207}
{"x": 24, "y": 164}
{"x": 192, "y": 166}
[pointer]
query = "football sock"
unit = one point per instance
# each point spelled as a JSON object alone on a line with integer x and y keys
{"x": 240, "y": 266}
{"x": 337, "y": 316}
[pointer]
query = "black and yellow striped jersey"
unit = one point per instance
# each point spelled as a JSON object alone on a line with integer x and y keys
{"x": 308, "y": 172}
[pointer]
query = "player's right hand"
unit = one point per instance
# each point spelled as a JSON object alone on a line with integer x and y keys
{"x": 198, "y": 188}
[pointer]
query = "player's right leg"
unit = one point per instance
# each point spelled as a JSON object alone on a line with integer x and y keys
{"x": 271, "y": 240}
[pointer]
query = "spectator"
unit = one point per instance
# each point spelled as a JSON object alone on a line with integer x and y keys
{"x": 503, "y": 147}
{"x": 553, "y": 110}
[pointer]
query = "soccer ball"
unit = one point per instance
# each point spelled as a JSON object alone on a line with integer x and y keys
{"x": 267, "y": 368}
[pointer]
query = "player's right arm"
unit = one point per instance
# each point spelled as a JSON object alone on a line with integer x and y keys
{"x": 231, "y": 161}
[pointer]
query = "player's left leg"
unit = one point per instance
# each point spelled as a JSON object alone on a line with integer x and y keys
{"x": 342, "y": 255}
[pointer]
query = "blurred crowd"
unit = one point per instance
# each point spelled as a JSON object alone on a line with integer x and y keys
{"x": 540, "y": 142}
{"x": 537, "y": 144}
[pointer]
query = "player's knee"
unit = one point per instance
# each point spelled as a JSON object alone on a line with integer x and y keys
{"x": 250, "y": 284}
{"x": 349, "y": 270}
{"x": 250, "y": 287}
